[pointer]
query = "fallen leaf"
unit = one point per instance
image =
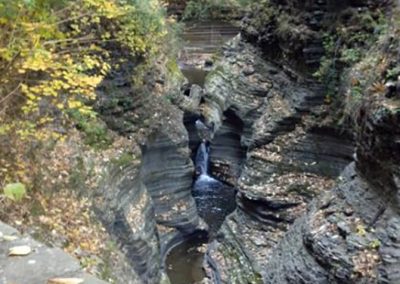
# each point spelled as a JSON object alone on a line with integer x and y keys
{"x": 19, "y": 251}
{"x": 15, "y": 191}
{"x": 65, "y": 281}
{"x": 10, "y": 238}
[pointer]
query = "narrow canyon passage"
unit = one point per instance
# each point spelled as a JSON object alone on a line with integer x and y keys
{"x": 214, "y": 199}
{"x": 200, "y": 142}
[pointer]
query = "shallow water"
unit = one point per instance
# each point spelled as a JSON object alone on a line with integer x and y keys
{"x": 185, "y": 261}
{"x": 194, "y": 75}
{"x": 207, "y": 37}
{"x": 214, "y": 200}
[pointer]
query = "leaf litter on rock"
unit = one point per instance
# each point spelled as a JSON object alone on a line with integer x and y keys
{"x": 65, "y": 281}
{"x": 19, "y": 251}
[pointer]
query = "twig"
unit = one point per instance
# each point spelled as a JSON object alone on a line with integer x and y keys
{"x": 10, "y": 94}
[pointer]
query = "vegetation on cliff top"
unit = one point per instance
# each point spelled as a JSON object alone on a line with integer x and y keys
{"x": 54, "y": 54}
{"x": 215, "y": 9}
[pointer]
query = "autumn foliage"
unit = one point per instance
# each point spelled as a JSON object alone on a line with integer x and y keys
{"x": 53, "y": 56}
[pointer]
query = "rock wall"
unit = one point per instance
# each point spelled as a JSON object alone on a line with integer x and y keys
{"x": 293, "y": 32}
{"x": 351, "y": 233}
{"x": 167, "y": 171}
{"x": 127, "y": 211}
{"x": 290, "y": 158}
{"x": 295, "y": 223}
{"x": 226, "y": 151}
{"x": 147, "y": 202}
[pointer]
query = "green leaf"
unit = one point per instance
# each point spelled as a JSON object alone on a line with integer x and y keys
{"x": 15, "y": 191}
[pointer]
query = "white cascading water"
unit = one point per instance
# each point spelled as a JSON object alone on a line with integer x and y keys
{"x": 202, "y": 162}
{"x": 202, "y": 159}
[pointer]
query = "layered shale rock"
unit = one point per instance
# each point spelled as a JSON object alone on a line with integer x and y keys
{"x": 293, "y": 224}
{"x": 227, "y": 152}
{"x": 291, "y": 31}
{"x": 290, "y": 159}
{"x": 125, "y": 208}
{"x": 351, "y": 234}
{"x": 295, "y": 32}
{"x": 167, "y": 171}
{"x": 146, "y": 202}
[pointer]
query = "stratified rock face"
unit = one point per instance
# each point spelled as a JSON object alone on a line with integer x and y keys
{"x": 167, "y": 171}
{"x": 378, "y": 145}
{"x": 289, "y": 160}
{"x": 147, "y": 202}
{"x": 226, "y": 151}
{"x": 292, "y": 32}
{"x": 126, "y": 210}
{"x": 142, "y": 203}
{"x": 352, "y": 233}
{"x": 348, "y": 234}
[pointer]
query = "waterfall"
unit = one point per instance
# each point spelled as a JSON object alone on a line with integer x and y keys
{"x": 202, "y": 159}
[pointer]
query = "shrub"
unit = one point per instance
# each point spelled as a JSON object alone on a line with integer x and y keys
{"x": 209, "y": 9}
{"x": 54, "y": 54}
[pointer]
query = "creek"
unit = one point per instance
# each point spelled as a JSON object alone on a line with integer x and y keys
{"x": 214, "y": 199}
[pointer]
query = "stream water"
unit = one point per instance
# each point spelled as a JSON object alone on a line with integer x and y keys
{"x": 201, "y": 41}
{"x": 184, "y": 262}
{"x": 214, "y": 199}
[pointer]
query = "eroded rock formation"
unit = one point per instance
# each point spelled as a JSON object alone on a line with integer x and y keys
{"x": 147, "y": 202}
{"x": 293, "y": 225}
{"x": 289, "y": 158}
{"x": 273, "y": 140}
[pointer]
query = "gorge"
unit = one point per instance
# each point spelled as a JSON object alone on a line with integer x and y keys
{"x": 267, "y": 151}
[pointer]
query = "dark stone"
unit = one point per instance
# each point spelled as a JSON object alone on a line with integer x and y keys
{"x": 248, "y": 71}
{"x": 391, "y": 88}
{"x": 208, "y": 63}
